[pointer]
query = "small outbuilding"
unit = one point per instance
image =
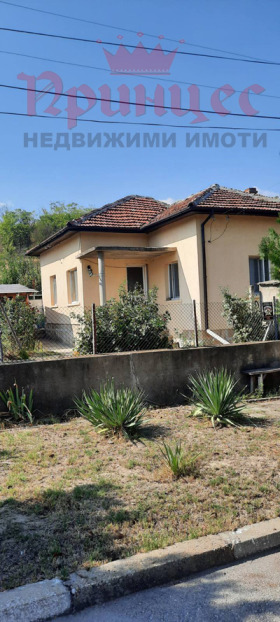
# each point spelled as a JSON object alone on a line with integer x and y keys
{"x": 15, "y": 289}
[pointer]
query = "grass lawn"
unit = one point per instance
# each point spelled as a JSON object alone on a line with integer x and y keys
{"x": 70, "y": 498}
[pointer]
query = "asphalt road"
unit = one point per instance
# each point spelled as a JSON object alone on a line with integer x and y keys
{"x": 249, "y": 591}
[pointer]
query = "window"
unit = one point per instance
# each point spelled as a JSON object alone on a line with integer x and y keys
{"x": 53, "y": 291}
{"x": 72, "y": 286}
{"x": 173, "y": 278}
{"x": 259, "y": 271}
{"x": 134, "y": 278}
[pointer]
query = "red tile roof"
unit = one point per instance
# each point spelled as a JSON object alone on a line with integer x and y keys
{"x": 218, "y": 199}
{"x": 137, "y": 213}
{"x": 131, "y": 212}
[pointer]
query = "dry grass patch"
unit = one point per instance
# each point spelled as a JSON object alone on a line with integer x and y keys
{"x": 70, "y": 499}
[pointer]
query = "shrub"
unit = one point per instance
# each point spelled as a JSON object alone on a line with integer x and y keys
{"x": 116, "y": 411}
{"x": 23, "y": 319}
{"x": 214, "y": 395}
{"x": 244, "y": 317}
{"x": 179, "y": 463}
{"x": 20, "y": 405}
{"x": 131, "y": 323}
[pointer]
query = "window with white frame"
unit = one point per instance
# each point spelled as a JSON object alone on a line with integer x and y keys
{"x": 173, "y": 281}
{"x": 53, "y": 291}
{"x": 259, "y": 271}
{"x": 72, "y": 286}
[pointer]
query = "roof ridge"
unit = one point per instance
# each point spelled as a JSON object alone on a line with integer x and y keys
{"x": 251, "y": 195}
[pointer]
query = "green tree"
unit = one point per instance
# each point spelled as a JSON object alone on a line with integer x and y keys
{"x": 55, "y": 218}
{"x": 20, "y": 269}
{"x": 270, "y": 249}
{"x": 16, "y": 228}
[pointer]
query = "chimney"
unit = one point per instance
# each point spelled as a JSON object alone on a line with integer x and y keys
{"x": 251, "y": 190}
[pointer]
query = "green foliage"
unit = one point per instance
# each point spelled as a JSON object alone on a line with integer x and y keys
{"x": 16, "y": 228}
{"x": 244, "y": 317}
{"x": 131, "y": 323}
{"x": 179, "y": 463}
{"x": 20, "y": 405}
{"x": 55, "y": 218}
{"x": 215, "y": 396}
{"x": 115, "y": 411}
{"x": 19, "y": 230}
{"x": 270, "y": 249}
{"x": 24, "y": 320}
{"x": 16, "y": 268}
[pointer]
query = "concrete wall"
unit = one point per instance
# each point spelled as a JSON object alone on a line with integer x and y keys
{"x": 161, "y": 374}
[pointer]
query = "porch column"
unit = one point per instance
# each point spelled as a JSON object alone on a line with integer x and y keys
{"x": 101, "y": 276}
{"x": 145, "y": 280}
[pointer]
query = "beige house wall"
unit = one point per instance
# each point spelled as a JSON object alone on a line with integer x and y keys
{"x": 183, "y": 236}
{"x": 230, "y": 242}
{"x": 58, "y": 261}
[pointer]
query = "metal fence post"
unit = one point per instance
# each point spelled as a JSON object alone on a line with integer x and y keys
{"x": 1, "y": 348}
{"x": 195, "y": 324}
{"x": 275, "y": 319}
{"x": 93, "y": 320}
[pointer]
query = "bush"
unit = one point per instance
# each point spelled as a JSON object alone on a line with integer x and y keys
{"x": 117, "y": 411}
{"x": 179, "y": 463}
{"x": 23, "y": 319}
{"x": 20, "y": 405}
{"x": 244, "y": 317}
{"x": 214, "y": 395}
{"x": 131, "y": 323}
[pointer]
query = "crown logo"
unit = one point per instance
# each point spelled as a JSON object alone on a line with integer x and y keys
{"x": 140, "y": 61}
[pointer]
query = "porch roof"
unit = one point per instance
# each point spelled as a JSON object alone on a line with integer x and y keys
{"x": 115, "y": 252}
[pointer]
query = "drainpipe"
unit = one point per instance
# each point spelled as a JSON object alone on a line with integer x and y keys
{"x": 101, "y": 275}
{"x": 204, "y": 271}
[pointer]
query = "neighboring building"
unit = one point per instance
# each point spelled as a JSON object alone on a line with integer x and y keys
{"x": 16, "y": 289}
{"x": 189, "y": 250}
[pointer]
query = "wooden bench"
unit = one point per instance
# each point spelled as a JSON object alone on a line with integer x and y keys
{"x": 260, "y": 374}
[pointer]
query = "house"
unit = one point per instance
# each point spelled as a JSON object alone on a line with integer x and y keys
{"x": 189, "y": 250}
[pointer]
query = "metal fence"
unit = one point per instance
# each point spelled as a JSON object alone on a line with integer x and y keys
{"x": 75, "y": 331}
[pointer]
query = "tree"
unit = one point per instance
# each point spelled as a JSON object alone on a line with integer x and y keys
{"x": 270, "y": 249}
{"x": 54, "y": 219}
{"x": 16, "y": 228}
{"x": 20, "y": 269}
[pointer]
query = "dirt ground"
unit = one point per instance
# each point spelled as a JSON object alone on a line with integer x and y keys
{"x": 70, "y": 498}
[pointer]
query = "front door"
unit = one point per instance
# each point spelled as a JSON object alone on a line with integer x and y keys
{"x": 134, "y": 278}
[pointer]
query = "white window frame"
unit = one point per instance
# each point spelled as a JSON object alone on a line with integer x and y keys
{"x": 73, "y": 293}
{"x": 53, "y": 285}
{"x": 171, "y": 281}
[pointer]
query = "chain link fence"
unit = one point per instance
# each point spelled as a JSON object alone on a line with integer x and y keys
{"x": 75, "y": 331}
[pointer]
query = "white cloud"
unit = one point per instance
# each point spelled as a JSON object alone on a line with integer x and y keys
{"x": 169, "y": 200}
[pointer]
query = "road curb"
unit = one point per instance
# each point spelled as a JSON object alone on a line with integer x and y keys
{"x": 41, "y": 601}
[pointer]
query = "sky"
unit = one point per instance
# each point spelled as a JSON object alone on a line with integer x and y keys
{"x": 32, "y": 177}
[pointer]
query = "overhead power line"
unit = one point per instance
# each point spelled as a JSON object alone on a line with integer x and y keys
{"x": 140, "y": 123}
{"x": 130, "y": 46}
{"x": 144, "y": 104}
{"x": 103, "y": 25}
{"x": 158, "y": 78}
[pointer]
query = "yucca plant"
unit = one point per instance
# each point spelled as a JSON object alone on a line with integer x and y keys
{"x": 175, "y": 458}
{"x": 214, "y": 395}
{"x": 20, "y": 405}
{"x": 116, "y": 411}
